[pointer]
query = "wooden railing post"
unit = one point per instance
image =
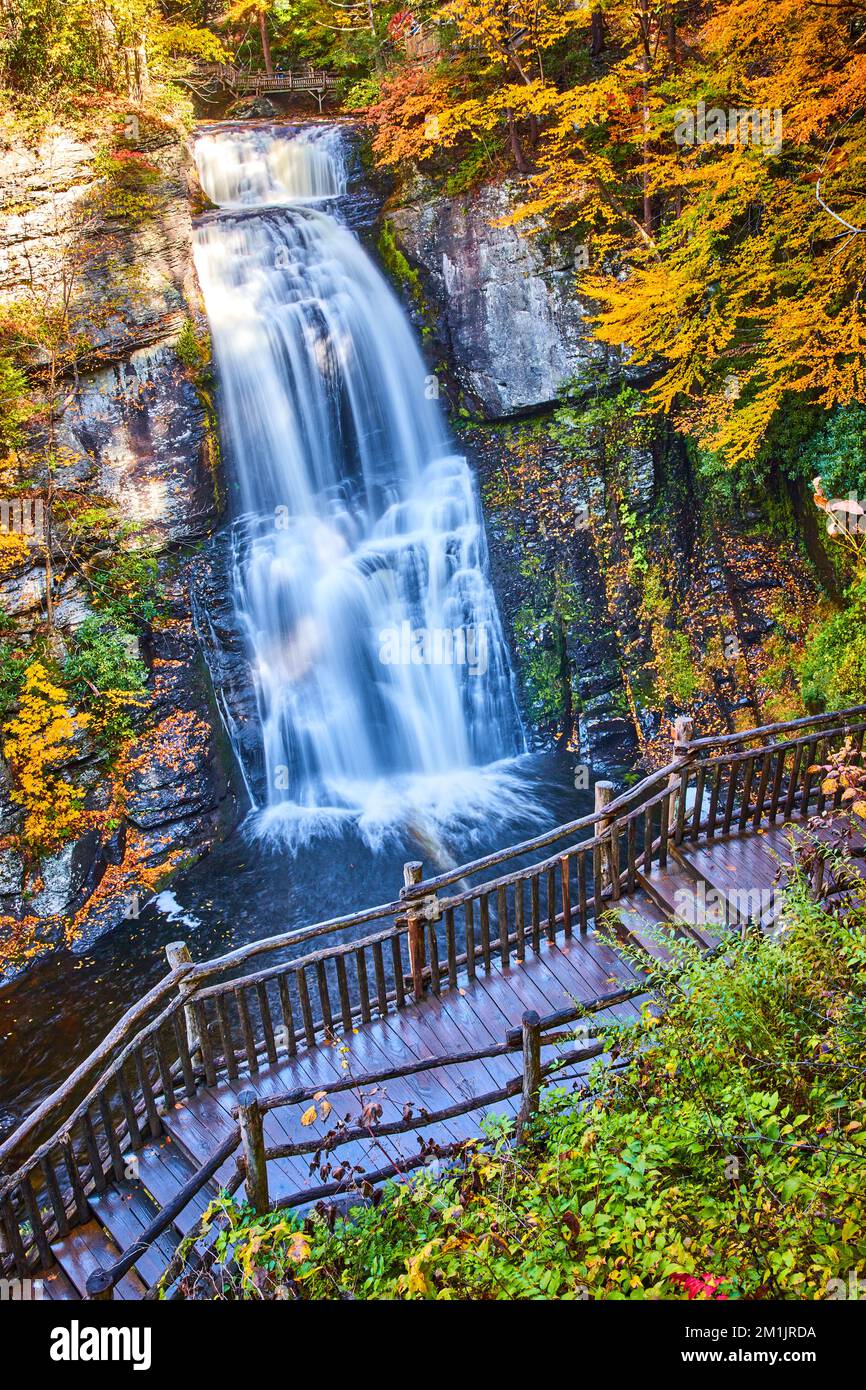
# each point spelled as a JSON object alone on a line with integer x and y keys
{"x": 606, "y": 859}
{"x": 413, "y": 872}
{"x": 684, "y": 732}
{"x": 99, "y": 1285}
{"x": 531, "y": 1039}
{"x": 253, "y": 1140}
{"x": 177, "y": 953}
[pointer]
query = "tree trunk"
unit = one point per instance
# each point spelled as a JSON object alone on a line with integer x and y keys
{"x": 596, "y": 34}
{"x": 644, "y": 21}
{"x": 266, "y": 43}
{"x": 514, "y": 139}
{"x": 671, "y": 33}
{"x": 371, "y": 24}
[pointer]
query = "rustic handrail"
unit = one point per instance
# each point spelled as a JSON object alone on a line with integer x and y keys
{"x": 304, "y": 79}
{"x": 727, "y": 740}
{"x": 101, "y": 1281}
{"x": 67, "y": 1088}
{"x": 250, "y": 1112}
{"x": 559, "y": 832}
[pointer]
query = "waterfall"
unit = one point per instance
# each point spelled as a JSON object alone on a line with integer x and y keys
{"x": 383, "y": 682}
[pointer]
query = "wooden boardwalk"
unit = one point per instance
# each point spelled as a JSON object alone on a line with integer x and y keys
{"x": 124, "y": 1159}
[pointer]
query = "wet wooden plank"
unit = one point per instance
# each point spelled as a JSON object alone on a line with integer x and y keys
{"x": 87, "y": 1248}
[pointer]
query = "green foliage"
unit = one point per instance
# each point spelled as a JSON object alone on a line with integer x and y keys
{"x": 125, "y": 586}
{"x": 540, "y": 628}
{"x": 833, "y": 668}
{"x": 106, "y": 678}
{"x": 193, "y": 351}
{"x": 675, "y": 669}
{"x": 15, "y": 408}
{"x": 724, "y": 1158}
{"x": 359, "y": 95}
{"x": 836, "y": 453}
{"x": 401, "y": 272}
{"x": 469, "y": 171}
{"x": 13, "y": 664}
{"x": 611, "y": 425}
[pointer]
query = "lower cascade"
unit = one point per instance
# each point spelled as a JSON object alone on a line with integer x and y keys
{"x": 383, "y": 683}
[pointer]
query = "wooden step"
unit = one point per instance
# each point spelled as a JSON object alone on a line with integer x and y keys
{"x": 676, "y": 890}
{"x": 87, "y": 1248}
{"x": 56, "y": 1286}
{"x": 125, "y": 1211}
{"x": 164, "y": 1168}
{"x": 643, "y": 924}
{"x": 742, "y": 873}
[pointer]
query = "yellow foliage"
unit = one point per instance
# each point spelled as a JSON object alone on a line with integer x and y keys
{"x": 13, "y": 550}
{"x": 37, "y": 742}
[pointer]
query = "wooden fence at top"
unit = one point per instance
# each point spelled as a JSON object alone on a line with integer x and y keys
{"x": 204, "y": 1022}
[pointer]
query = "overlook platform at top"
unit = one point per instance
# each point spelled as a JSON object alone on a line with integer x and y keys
{"x": 332, "y": 1067}
{"x": 207, "y": 79}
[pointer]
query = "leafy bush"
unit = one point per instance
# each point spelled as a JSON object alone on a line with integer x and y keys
{"x": 130, "y": 186}
{"x": 193, "y": 353}
{"x": 15, "y": 408}
{"x": 836, "y": 453}
{"x": 37, "y": 743}
{"x": 724, "y": 1159}
{"x": 106, "y": 679}
{"x": 362, "y": 94}
{"x": 125, "y": 586}
{"x": 833, "y": 669}
{"x": 13, "y": 664}
{"x": 470, "y": 171}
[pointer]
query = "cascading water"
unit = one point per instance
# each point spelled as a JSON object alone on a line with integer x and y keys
{"x": 383, "y": 683}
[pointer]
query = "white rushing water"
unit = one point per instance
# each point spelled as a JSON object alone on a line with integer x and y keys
{"x": 383, "y": 682}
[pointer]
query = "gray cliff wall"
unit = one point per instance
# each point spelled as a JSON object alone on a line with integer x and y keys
{"x": 134, "y": 433}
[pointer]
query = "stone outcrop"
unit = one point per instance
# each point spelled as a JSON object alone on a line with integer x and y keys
{"x": 506, "y": 312}
{"x": 135, "y": 433}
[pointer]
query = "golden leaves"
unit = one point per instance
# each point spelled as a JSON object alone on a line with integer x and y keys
{"x": 37, "y": 742}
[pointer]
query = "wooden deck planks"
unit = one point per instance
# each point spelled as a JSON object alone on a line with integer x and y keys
{"x": 87, "y": 1248}
{"x": 475, "y": 1015}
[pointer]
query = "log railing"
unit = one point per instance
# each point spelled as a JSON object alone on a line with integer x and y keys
{"x": 218, "y": 1019}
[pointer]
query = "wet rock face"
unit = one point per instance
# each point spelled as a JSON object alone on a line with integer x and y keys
{"x": 134, "y": 434}
{"x": 133, "y": 283}
{"x": 552, "y": 595}
{"x": 511, "y": 322}
{"x": 224, "y": 648}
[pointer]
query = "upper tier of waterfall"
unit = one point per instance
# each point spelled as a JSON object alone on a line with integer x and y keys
{"x": 383, "y": 682}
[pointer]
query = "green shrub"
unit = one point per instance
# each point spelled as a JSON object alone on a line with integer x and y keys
{"x": 836, "y": 453}
{"x": 470, "y": 171}
{"x": 362, "y": 94}
{"x": 833, "y": 668}
{"x": 15, "y": 409}
{"x": 13, "y": 664}
{"x": 130, "y": 185}
{"x": 125, "y": 586}
{"x": 193, "y": 351}
{"x": 105, "y": 678}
